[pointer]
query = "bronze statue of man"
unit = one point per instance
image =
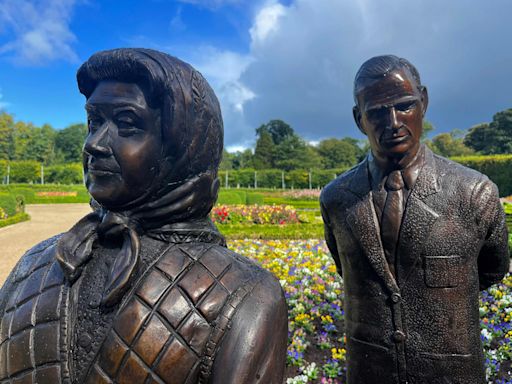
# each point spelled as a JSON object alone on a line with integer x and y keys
{"x": 143, "y": 289}
{"x": 415, "y": 237}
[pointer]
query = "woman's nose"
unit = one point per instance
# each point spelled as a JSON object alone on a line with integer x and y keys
{"x": 98, "y": 142}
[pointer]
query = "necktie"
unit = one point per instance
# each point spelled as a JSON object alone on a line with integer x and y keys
{"x": 392, "y": 216}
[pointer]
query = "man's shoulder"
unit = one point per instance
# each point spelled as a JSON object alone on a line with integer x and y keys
{"x": 454, "y": 173}
{"x": 340, "y": 185}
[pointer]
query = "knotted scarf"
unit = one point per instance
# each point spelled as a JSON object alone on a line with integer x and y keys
{"x": 191, "y": 199}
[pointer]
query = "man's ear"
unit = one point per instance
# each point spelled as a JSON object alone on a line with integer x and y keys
{"x": 357, "y": 117}
{"x": 424, "y": 99}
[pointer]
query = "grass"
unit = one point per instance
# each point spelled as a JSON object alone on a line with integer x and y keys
{"x": 17, "y": 218}
{"x": 269, "y": 231}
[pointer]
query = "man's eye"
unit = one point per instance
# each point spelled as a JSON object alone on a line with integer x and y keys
{"x": 404, "y": 107}
{"x": 375, "y": 114}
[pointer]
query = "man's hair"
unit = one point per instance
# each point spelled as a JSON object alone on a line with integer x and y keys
{"x": 192, "y": 130}
{"x": 380, "y": 66}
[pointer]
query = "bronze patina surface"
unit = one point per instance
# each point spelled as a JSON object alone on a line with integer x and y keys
{"x": 415, "y": 237}
{"x": 144, "y": 290}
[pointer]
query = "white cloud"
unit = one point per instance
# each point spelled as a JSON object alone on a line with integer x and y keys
{"x": 176, "y": 22}
{"x": 39, "y": 32}
{"x": 266, "y": 22}
{"x": 302, "y": 59}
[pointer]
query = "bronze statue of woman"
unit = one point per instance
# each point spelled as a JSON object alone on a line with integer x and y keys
{"x": 143, "y": 289}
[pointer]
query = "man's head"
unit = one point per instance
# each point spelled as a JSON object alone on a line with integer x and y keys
{"x": 390, "y": 105}
{"x": 153, "y": 122}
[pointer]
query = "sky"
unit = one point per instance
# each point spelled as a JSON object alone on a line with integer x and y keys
{"x": 293, "y": 60}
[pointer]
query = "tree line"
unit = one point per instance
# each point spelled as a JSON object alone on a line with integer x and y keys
{"x": 278, "y": 146}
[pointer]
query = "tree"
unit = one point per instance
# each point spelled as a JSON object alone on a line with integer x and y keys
{"x": 294, "y": 153}
{"x": 493, "y": 138}
{"x": 6, "y": 136}
{"x": 278, "y": 129}
{"x": 264, "y": 153}
{"x": 69, "y": 142}
{"x": 339, "y": 153}
{"x": 427, "y": 128}
{"x": 243, "y": 159}
{"x": 449, "y": 144}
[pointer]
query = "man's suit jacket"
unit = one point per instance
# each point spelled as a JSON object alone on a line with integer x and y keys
{"x": 423, "y": 325}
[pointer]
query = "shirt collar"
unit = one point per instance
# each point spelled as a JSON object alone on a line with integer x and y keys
{"x": 410, "y": 173}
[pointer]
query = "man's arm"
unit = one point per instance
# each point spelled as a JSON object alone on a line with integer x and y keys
{"x": 329, "y": 238}
{"x": 493, "y": 260}
{"x": 254, "y": 349}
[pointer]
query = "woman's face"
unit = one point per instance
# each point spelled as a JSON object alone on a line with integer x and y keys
{"x": 124, "y": 144}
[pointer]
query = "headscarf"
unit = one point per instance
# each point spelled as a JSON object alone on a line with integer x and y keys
{"x": 186, "y": 184}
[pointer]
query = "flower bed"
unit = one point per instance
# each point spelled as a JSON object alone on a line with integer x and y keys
{"x": 254, "y": 214}
{"x": 303, "y": 194}
{"x": 314, "y": 292}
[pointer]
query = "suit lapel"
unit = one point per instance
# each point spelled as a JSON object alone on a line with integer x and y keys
{"x": 418, "y": 219}
{"x": 363, "y": 222}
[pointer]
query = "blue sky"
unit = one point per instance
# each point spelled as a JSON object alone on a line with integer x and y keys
{"x": 266, "y": 59}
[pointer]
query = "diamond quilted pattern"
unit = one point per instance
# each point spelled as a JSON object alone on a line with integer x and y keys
{"x": 178, "y": 360}
{"x": 216, "y": 262}
{"x": 18, "y": 351}
{"x": 55, "y": 276}
{"x": 197, "y": 282}
{"x": 48, "y": 305}
{"x": 32, "y": 285}
{"x": 22, "y": 317}
{"x": 131, "y": 319}
{"x": 153, "y": 338}
{"x": 153, "y": 287}
{"x": 112, "y": 354}
{"x": 175, "y": 307}
{"x": 26, "y": 378}
{"x": 5, "y": 326}
{"x": 231, "y": 280}
{"x": 48, "y": 375}
{"x": 97, "y": 377}
{"x": 213, "y": 302}
{"x": 174, "y": 263}
{"x": 195, "y": 331}
{"x": 133, "y": 371}
{"x": 46, "y": 343}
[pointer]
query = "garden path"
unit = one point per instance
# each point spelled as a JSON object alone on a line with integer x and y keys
{"x": 46, "y": 220}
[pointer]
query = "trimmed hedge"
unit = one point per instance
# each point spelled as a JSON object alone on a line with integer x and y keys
{"x": 17, "y": 218}
{"x": 48, "y": 193}
{"x": 497, "y": 167}
{"x": 8, "y": 203}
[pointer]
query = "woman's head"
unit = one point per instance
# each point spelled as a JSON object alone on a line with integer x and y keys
{"x": 154, "y": 122}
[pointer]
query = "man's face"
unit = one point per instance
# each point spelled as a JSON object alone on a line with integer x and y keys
{"x": 124, "y": 144}
{"x": 390, "y": 112}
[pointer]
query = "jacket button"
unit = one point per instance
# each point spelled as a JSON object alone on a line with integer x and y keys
{"x": 395, "y": 298}
{"x": 84, "y": 340}
{"x": 398, "y": 336}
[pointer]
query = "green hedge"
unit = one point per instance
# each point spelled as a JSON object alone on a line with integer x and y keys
{"x": 64, "y": 174}
{"x": 48, "y": 193}
{"x": 17, "y": 218}
{"x": 8, "y": 203}
{"x": 497, "y": 167}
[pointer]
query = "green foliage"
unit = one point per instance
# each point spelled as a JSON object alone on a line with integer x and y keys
{"x": 231, "y": 197}
{"x": 448, "y": 144}
{"x": 64, "y": 174}
{"x": 270, "y": 231}
{"x": 254, "y": 198}
{"x": 69, "y": 142}
{"x": 17, "y": 218}
{"x": 8, "y": 203}
{"x": 25, "y": 172}
{"x": 427, "y": 128}
{"x": 493, "y": 138}
{"x": 497, "y": 167}
{"x": 48, "y": 193}
{"x": 339, "y": 152}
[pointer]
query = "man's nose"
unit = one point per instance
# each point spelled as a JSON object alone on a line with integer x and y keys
{"x": 393, "y": 122}
{"x": 98, "y": 142}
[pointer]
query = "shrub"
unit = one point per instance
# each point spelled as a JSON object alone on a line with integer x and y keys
{"x": 64, "y": 174}
{"x": 25, "y": 172}
{"x": 8, "y": 204}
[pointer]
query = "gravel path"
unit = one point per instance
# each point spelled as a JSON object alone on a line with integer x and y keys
{"x": 46, "y": 220}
